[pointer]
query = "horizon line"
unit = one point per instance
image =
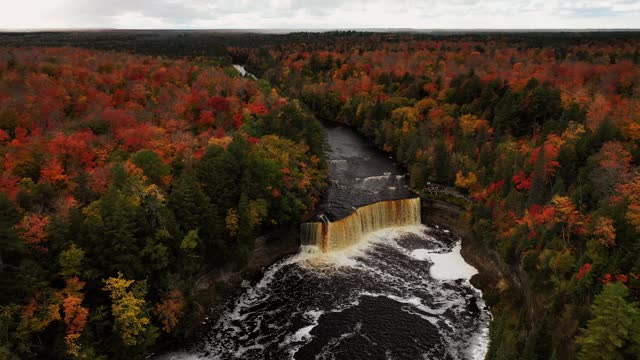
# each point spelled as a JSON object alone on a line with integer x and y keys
{"x": 328, "y": 29}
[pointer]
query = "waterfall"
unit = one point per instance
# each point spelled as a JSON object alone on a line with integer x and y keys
{"x": 329, "y": 236}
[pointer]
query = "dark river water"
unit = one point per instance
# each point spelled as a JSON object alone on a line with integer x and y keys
{"x": 401, "y": 293}
{"x": 359, "y": 174}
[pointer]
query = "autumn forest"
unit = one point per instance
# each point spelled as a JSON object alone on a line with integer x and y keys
{"x": 127, "y": 173}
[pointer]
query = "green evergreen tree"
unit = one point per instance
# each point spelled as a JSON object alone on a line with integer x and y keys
{"x": 506, "y": 114}
{"x": 189, "y": 204}
{"x": 538, "y": 190}
{"x": 442, "y": 163}
{"x": 614, "y": 331}
{"x": 113, "y": 242}
{"x": 245, "y": 228}
{"x": 151, "y": 164}
{"x": 220, "y": 173}
{"x": 538, "y": 345}
{"x": 11, "y": 251}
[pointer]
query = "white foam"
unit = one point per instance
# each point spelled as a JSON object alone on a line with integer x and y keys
{"x": 480, "y": 345}
{"x": 446, "y": 266}
{"x": 414, "y": 302}
{"x": 309, "y": 249}
{"x": 179, "y": 356}
{"x": 257, "y": 292}
{"x": 348, "y": 257}
{"x": 243, "y": 349}
{"x": 304, "y": 333}
{"x": 382, "y": 178}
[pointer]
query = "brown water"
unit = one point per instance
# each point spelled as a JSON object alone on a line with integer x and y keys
{"x": 348, "y": 231}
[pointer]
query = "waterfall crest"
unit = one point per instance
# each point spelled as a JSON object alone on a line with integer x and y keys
{"x": 330, "y": 236}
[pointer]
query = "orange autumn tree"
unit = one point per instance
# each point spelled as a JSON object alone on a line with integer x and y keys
{"x": 75, "y": 315}
{"x": 631, "y": 191}
{"x": 53, "y": 172}
{"x": 170, "y": 309}
{"x": 32, "y": 230}
{"x": 604, "y": 231}
{"x": 566, "y": 215}
{"x": 598, "y": 111}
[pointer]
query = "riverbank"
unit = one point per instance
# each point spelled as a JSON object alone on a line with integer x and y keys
{"x": 213, "y": 290}
{"x": 504, "y": 289}
{"x": 493, "y": 277}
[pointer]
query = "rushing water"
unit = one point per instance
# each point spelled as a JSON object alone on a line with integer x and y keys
{"x": 401, "y": 292}
{"x": 360, "y": 175}
{"x": 340, "y": 234}
{"x": 243, "y": 71}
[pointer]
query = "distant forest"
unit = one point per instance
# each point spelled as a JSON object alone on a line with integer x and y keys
{"x": 189, "y": 43}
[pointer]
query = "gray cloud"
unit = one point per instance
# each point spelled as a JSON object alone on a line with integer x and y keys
{"x": 321, "y": 13}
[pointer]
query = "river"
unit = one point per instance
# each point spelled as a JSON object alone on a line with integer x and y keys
{"x": 401, "y": 292}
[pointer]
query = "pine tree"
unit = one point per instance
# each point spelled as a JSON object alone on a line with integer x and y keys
{"x": 220, "y": 171}
{"x": 614, "y": 331}
{"x": 189, "y": 204}
{"x": 11, "y": 249}
{"x": 538, "y": 345}
{"x": 152, "y": 165}
{"x": 538, "y": 191}
{"x": 442, "y": 163}
{"x": 113, "y": 241}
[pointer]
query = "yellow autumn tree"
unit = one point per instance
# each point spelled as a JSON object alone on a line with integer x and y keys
{"x": 406, "y": 117}
{"x": 573, "y": 132}
{"x": 465, "y": 182}
{"x": 566, "y": 215}
{"x": 232, "y": 221}
{"x": 633, "y": 215}
{"x": 469, "y": 123}
{"x": 258, "y": 211}
{"x": 423, "y": 106}
{"x": 128, "y": 309}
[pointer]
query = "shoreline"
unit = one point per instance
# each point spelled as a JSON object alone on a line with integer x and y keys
{"x": 493, "y": 276}
{"x": 212, "y": 291}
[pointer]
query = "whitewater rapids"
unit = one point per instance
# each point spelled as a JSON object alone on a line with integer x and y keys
{"x": 400, "y": 293}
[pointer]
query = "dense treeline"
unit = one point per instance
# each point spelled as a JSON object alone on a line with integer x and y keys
{"x": 214, "y": 44}
{"x": 541, "y": 131}
{"x": 168, "y": 43}
{"x": 125, "y": 177}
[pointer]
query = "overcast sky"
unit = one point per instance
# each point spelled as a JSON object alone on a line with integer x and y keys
{"x": 319, "y": 14}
